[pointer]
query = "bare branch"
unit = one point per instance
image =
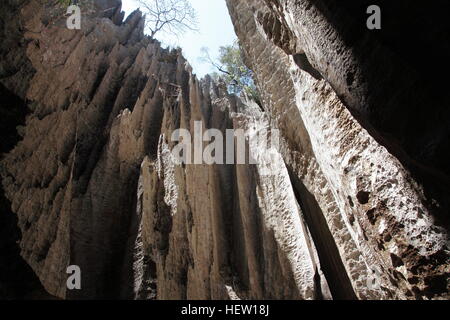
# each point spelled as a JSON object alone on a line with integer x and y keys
{"x": 207, "y": 58}
{"x": 170, "y": 16}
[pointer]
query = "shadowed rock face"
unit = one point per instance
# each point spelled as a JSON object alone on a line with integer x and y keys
{"x": 389, "y": 79}
{"x": 17, "y": 280}
{"x": 378, "y": 93}
{"x": 91, "y": 179}
{"x": 93, "y": 184}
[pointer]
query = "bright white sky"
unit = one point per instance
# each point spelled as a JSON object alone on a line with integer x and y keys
{"x": 215, "y": 30}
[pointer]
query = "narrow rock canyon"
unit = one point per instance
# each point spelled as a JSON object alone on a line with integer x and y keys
{"x": 356, "y": 205}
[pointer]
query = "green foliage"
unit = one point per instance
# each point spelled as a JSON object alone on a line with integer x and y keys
{"x": 238, "y": 77}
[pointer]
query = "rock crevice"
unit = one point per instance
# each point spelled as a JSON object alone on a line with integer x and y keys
{"x": 93, "y": 182}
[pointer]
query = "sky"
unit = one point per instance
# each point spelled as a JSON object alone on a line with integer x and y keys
{"x": 215, "y": 30}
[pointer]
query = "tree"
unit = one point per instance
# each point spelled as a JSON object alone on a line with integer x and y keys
{"x": 170, "y": 16}
{"x": 238, "y": 77}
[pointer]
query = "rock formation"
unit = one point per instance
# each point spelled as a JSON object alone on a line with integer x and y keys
{"x": 361, "y": 145}
{"x": 350, "y": 210}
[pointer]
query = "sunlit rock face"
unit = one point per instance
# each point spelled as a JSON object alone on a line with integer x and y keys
{"x": 93, "y": 184}
{"x": 359, "y": 115}
{"x": 336, "y": 212}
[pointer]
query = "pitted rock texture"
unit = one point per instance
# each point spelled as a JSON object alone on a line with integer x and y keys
{"x": 384, "y": 219}
{"x": 91, "y": 178}
{"x": 93, "y": 184}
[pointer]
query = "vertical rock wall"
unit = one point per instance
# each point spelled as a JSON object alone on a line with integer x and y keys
{"x": 93, "y": 184}
{"x": 92, "y": 180}
{"x": 369, "y": 214}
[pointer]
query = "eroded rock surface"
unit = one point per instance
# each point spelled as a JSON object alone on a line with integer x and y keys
{"x": 93, "y": 181}
{"x": 381, "y": 218}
